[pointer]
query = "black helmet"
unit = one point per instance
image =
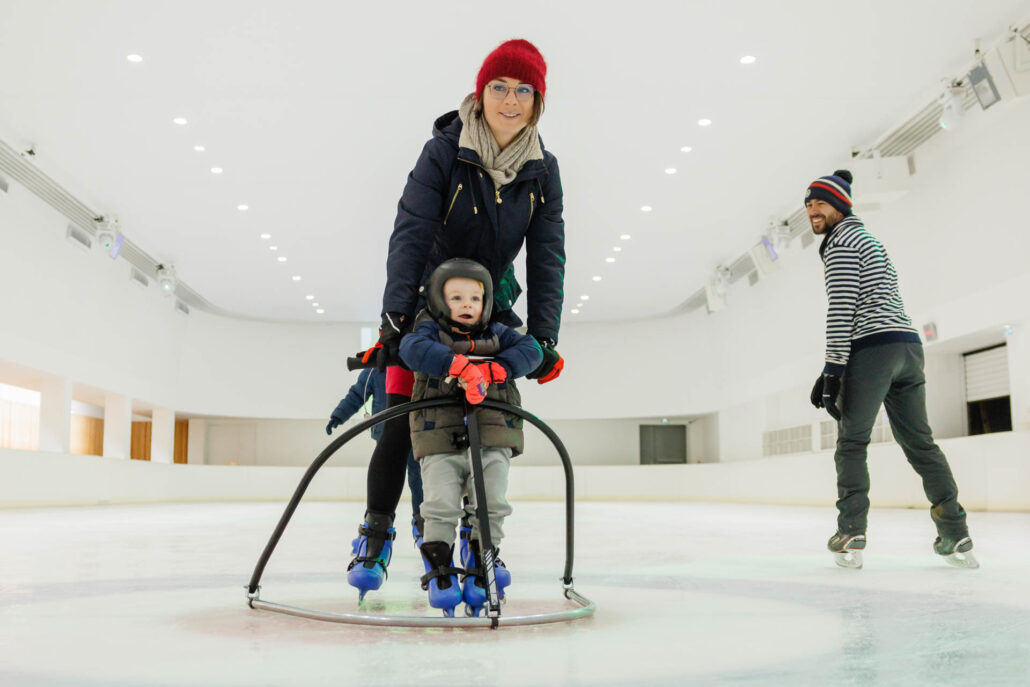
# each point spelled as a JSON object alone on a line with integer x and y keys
{"x": 458, "y": 267}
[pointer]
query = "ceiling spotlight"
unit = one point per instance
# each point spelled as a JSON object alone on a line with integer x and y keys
{"x": 584, "y": 298}
{"x": 310, "y": 297}
{"x": 579, "y": 305}
{"x": 296, "y": 277}
{"x": 779, "y": 232}
{"x": 266, "y": 236}
{"x": 575, "y": 311}
{"x": 624, "y": 237}
{"x": 216, "y": 170}
{"x": 685, "y": 149}
{"x": 645, "y": 208}
{"x": 704, "y": 122}
{"x": 166, "y": 279}
{"x": 952, "y": 109}
{"x": 721, "y": 280}
{"x": 670, "y": 170}
{"x": 596, "y": 278}
{"x": 609, "y": 259}
{"x": 199, "y": 149}
{"x": 272, "y": 248}
{"x": 281, "y": 258}
{"x": 242, "y": 208}
{"x": 747, "y": 59}
{"x": 320, "y": 311}
{"x": 617, "y": 248}
{"x": 315, "y": 305}
{"x": 109, "y": 236}
{"x": 134, "y": 58}
{"x": 181, "y": 121}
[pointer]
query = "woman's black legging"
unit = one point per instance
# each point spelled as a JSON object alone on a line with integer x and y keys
{"x": 389, "y": 465}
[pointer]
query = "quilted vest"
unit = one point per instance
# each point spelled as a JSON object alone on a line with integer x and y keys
{"x": 442, "y": 430}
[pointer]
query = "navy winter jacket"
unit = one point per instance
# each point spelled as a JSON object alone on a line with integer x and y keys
{"x": 423, "y": 351}
{"x": 370, "y": 383}
{"x": 450, "y": 209}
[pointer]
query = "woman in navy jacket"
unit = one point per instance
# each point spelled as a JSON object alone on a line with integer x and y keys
{"x": 483, "y": 186}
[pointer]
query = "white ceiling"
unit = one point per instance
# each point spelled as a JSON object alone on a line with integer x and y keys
{"x": 318, "y": 110}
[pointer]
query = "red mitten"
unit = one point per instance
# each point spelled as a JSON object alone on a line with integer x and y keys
{"x": 493, "y": 373}
{"x": 555, "y": 371}
{"x": 475, "y": 385}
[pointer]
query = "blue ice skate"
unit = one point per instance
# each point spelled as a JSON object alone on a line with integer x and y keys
{"x": 473, "y": 586}
{"x": 418, "y": 525}
{"x": 372, "y": 552}
{"x": 441, "y": 578}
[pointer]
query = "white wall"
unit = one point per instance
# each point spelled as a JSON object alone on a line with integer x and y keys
{"x": 958, "y": 239}
{"x": 991, "y": 470}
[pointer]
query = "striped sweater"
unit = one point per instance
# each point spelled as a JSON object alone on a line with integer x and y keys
{"x": 865, "y": 306}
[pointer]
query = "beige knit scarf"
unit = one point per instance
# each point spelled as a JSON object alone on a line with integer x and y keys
{"x": 501, "y": 165}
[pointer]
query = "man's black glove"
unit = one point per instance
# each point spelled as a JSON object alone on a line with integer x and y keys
{"x": 387, "y": 349}
{"x": 334, "y": 422}
{"x": 826, "y": 393}
{"x": 552, "y": 364}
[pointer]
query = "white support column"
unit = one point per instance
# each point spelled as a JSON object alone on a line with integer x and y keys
{"x": 117, "y": 426}
{"x": 162, "y": 436}
{"x": 196, "y": 446}
{"x": 1018, "y": 346}
{"x": 55, "y": 415}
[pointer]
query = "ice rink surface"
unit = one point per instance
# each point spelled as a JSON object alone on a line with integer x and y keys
{"x": 686, "y": 594}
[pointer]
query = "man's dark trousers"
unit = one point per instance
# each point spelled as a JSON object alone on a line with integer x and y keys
{"x": 891, "y": 374}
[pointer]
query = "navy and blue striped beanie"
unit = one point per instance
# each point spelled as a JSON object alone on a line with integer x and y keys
{"x": 835, "y": 189}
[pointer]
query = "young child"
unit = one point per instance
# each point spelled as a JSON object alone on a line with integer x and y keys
{"x": 456, "y": 322}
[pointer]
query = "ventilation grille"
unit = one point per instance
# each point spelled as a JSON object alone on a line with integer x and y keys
{"x": 138, "y": 278}
{"x": 79, "y": 237}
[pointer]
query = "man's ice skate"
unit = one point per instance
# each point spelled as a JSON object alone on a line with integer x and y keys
{"x": 956, "y": 552}
{"x": 847, "y": 549}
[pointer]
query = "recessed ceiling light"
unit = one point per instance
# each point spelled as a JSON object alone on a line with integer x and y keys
{"x": 296, "y": 277}
{"x": 315, "y": 305}
{"x": 320, "y": 311}
{"x": 134, "y": 58}
{"x": 670, "y": 170}
{"x": 579, "y": 305}
{"x": 645, "y": 208}
{"x": 242, "y": 208}
{"x": 584, "y": 298}
{"x": 266, "y": 236}
{"x": 617, "y": 248}
{"x": 575, "y": 311}
{"x": 704, "y": 122}
{"x": 181, "y": 121}
{"x": 199, "y": 149}
{"x": 596, "y": 278}
{"x": 281, "y": 258}
{"x": 624, "y": 237}
{"x": 685, "y": 149}
{"x": 609, "y": 259}
{"x": 271, "y": 247}
{"x": 747, "y": 59}
{"x": 216, "y": 170}
{"x": 310, "y": 297}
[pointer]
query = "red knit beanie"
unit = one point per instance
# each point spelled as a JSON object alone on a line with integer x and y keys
{"x": 516, "y": 59}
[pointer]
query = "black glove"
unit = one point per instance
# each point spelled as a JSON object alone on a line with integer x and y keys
{"x": 830, "y": 395}
{"x": 334, "y": 422}
{"x": 552, "y": 364}
{"x": 394, "y": 326}
{"x": 817, "y": 392}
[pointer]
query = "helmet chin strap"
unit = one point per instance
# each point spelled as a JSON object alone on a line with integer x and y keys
{"x": 464, "y": 328}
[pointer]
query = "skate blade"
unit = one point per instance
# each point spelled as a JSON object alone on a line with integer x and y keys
{"x": 448, "y": 612}
{"x": 962, "y": 560}
{"x": 848, "y": 559}
{"x": 472, "y": 611}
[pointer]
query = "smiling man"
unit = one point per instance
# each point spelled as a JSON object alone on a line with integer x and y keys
{"x": 873, "y": 357}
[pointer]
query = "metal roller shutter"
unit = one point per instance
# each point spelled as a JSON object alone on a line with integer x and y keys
{"x": 987, "y": 374}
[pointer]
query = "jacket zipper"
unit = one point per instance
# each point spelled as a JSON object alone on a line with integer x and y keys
{"x": 532, "y": 206}
{"x": 452, "y": 204}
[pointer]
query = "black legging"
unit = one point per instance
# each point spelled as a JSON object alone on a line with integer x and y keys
{"x": 389, "y": 465}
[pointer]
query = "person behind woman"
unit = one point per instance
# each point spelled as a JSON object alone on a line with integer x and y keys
{"x": 372, "y": 384}
{"x": 483, "y": 186}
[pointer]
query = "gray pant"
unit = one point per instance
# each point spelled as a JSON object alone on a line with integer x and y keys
{"x": 446, "y": 476}
{"x": 891, "y": 374}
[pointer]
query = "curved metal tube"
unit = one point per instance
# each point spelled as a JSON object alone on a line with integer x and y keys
{"x": 586, "y": 606}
